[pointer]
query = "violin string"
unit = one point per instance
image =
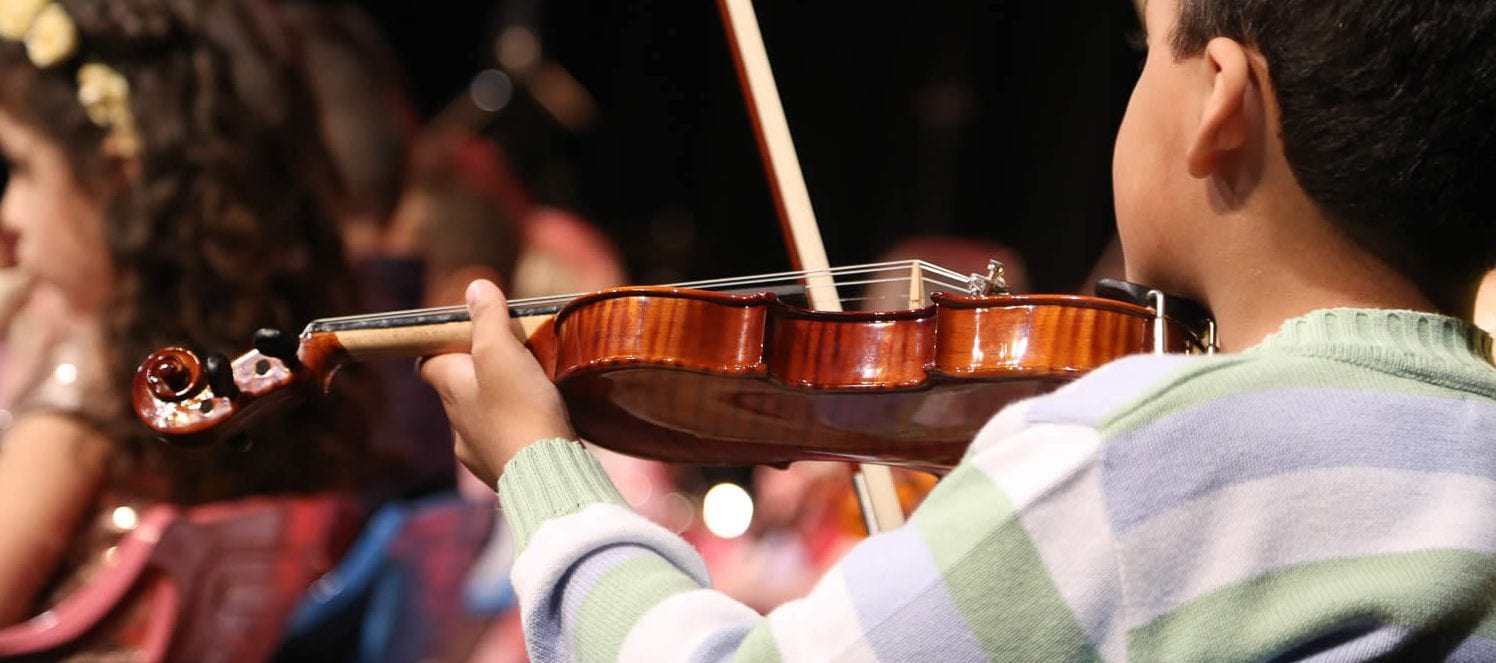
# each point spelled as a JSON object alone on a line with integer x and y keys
{"x": 536, "y": 302}
{"x": 958, "y": 280}
{"x": 533, "y": 303}
{"x": 900, "y": 298}
{"x": 928, "y": 270}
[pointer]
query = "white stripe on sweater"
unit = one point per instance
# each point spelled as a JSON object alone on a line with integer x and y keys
{"x": 821, "y": 627}
{"x": 1234, "y": 534}
{"x": 561, "y": 542}
{"x": 681, "y": 625}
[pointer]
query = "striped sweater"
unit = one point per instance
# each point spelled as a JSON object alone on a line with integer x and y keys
{"x": 1328, "y": 494}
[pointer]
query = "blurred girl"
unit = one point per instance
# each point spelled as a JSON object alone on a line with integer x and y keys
{"x": 165, "y": 188}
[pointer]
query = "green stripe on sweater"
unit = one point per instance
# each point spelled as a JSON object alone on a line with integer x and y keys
{"x": 1421, "y": 354}
{"x": 550, "y": 479}
{"x": 1018, "y": 615}
{"x": 617, "y": 601}
{"x": 759, "y": 646}
{"x": 1206, "y": 382}
{"x": 1278, "y": 610}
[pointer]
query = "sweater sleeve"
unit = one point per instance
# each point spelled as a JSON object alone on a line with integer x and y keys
{"x": 1003, "y": 561}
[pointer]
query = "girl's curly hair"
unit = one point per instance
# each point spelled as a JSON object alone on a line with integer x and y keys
{"x": 221, "y": 227}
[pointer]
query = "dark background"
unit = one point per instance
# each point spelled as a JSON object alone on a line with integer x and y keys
{"x": 992, "y": 120}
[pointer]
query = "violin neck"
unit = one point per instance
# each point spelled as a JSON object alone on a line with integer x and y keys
{"x": 414, "y": 333}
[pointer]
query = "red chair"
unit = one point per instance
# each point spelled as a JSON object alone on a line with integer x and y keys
{"x": 212, "y": 583}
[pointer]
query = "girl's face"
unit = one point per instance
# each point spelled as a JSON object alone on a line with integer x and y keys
{"x": 56, "y": 223}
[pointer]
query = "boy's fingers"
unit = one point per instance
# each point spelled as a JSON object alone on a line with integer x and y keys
{"x": 484, "y": 298}
{"x": 490, "y": 313}
{"x": 470, "y": 460}
{"x": 445, "y": 372}
{"x": 496, "y": 351}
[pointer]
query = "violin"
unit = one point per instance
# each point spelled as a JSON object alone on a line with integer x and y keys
{"x": 725, "y": 372}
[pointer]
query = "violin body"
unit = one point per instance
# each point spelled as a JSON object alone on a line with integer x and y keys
{"x": 701, "y": 377}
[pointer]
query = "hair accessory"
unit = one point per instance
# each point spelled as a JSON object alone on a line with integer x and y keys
{"x": 105, "y": 95}
{"x": 16, "y": 17}
{"x": 51, "y": 38}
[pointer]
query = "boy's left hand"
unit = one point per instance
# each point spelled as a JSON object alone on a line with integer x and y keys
{"x": 498, "y": 398}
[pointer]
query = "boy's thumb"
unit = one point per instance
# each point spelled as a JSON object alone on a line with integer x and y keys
{"x": 486, "y": 304}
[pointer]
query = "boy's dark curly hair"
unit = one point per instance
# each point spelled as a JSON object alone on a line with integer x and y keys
{"x": 1388, "y": 118}
{"x": 220, "y": 229}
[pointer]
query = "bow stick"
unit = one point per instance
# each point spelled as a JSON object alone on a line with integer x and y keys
{"x": 874, "y": 483}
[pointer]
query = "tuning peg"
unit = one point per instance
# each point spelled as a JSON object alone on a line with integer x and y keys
{"x": 278, "y": 344}
{"x": 221, "y": 376}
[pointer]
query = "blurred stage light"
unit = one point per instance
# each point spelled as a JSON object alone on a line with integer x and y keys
{"x": 727, "y": 509}
{"x": 491, "y": 90}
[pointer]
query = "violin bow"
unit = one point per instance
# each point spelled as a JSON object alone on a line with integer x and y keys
{"x": 874, "y": 483}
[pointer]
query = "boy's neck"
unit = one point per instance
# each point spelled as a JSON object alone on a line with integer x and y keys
{"x": 1242, "y": 321}
{"x": 1306, "y": 265}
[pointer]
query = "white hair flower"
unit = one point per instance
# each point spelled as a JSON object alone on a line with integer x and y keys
{"x": 52, "y": 37}
{"x": 105, "y": 96}
{"x": 16, "y": 17}
{"x": 103, "y": 92}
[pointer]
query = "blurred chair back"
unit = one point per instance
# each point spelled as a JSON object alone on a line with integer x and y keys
{"x": 209, "y": 584}
{"x": 398, "y": 594}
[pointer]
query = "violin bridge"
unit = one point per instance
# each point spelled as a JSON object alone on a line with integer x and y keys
{"x": 916, "y": 285}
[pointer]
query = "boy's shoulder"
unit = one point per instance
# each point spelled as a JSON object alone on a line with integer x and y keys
{"x": 1122, "y": 386}
{"x": 1140, "y": 390}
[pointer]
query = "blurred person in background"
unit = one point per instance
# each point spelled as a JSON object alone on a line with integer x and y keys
{"x": 365, "y": 115}
{"x": 167, "y": 187}
{"x": 457, "y": 213}
{"x": 369, "y": 125}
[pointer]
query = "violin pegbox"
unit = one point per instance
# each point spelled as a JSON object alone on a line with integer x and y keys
{"x": 190, "y": 402}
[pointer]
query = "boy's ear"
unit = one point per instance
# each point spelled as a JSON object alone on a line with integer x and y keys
{"x": 1223, "y": 123}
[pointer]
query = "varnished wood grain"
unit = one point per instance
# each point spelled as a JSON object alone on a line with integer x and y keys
{"x": 706, "y": 378}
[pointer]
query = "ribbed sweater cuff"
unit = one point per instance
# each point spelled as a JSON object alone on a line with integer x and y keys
{"x": 549, "y": 479}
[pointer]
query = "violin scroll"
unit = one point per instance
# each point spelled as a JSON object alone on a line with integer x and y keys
{"x": 172, "y": 375}
{"x": 193, "y": 402}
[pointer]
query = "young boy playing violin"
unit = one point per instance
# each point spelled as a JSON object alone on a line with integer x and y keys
{"x": 1319, "y": 174}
